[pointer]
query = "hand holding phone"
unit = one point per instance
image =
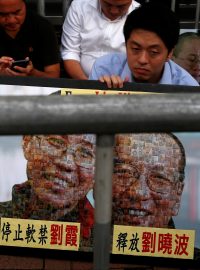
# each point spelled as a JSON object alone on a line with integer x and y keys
{"x": 20, "y": 63}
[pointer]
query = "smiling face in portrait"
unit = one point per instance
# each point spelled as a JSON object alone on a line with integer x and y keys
{"x": 61, "y": 168}
{"x": 146, "y": 56}
{"x": 147, "y": 181}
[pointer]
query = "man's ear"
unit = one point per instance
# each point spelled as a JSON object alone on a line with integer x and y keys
{"x": 179, "y": 190}
{"x": 170, "y": 55}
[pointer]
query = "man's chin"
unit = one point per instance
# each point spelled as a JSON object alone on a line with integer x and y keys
{"x": 141, "y": 79}
{"x": 56, "y": 201}
{"x": 143, "y": 221}
{"x": 12, "y": 28}
{"x": 129, "y": 220}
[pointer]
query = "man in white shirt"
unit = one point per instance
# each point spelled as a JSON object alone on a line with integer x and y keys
{"x": 92, "y": 28}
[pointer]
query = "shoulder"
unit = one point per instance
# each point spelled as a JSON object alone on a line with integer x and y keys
{"x": 6, "y": 209}
{"x": 179, "y": 76}
{"x": 21, "y": 192}
{"x": 112, "y": 59}
{"x": 134, "y": 5}
{"x": 82, "y": 5}
{"x": 108, "y": 64}
{"x": 78, "y": 10}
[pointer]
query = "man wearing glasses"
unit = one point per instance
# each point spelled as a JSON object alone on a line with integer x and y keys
{"x": 148, "y": 179}
{"x": 60, "y": 172}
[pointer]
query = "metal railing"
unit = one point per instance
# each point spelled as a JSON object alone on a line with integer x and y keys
{"x": 110, "y": 115}
{"x": 66, "y": 3}
{"x": 173, "y": 5}
{"x": 197, "y": 14}
{"x": 41, "y": 7}
{"x": 195, "y": 23}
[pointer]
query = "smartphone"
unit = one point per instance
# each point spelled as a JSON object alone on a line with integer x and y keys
{"x": 20, "y": 63}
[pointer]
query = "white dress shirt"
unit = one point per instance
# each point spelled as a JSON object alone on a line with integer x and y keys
{"x": 88, "y": 34}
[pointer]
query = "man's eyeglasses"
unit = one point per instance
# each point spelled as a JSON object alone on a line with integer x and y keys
{"x": 127, "y": 175}
{"x": 155, "y": 183}
{"x": 59, "y": 147}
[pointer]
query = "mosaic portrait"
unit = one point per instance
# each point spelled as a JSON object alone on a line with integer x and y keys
{"x": 148, "y": 181}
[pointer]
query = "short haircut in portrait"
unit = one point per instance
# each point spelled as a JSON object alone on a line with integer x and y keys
{"x": 148, "y": 179}
{"x": 60, "y": 170}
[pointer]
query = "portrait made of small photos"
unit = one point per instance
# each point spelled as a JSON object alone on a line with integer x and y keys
{"x": 148, "y": 181}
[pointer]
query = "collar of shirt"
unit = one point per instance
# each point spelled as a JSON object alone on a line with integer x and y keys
{"x": 127, "y": 72}
{"x": 166, "y": 76}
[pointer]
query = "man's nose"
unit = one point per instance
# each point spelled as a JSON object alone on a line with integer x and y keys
{"x": 143, "y": 57}
{"x": 143, "y": 185}
{"x": 141, "y": 191}
{"x": 67, "y": 161}
{"x": 195, "y": 71}
{"x": 10, "y": 18}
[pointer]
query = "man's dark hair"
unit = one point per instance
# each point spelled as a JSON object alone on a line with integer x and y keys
{"x": 156, "y": 18}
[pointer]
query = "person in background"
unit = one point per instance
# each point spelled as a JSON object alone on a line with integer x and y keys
{"x": 148, "y": 179}
{"x": 151, "y": 32}
{"x": 92, "y": 28}
{"x": 25, "y": 35}
{"x": 187, "y": 53}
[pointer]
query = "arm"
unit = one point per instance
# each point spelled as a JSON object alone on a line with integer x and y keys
{"x": 74, "y": 69}
{"x": 52, "y": 71}
{"x": 71, "y": 43}
{"x": 46, "y": 60}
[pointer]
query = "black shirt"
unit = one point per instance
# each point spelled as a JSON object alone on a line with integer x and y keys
{"x": 36, "y": 40}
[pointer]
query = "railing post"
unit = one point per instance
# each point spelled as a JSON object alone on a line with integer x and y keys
{"x": 103, "y": 201}
{"x": 66, "y": 4}
{"x": 173, "y": 5}
{"x": 41, "y": 7}
{"x": 197, "y": 15}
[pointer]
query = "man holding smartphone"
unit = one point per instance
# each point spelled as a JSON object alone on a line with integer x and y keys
{"x": 29, "y": 39}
